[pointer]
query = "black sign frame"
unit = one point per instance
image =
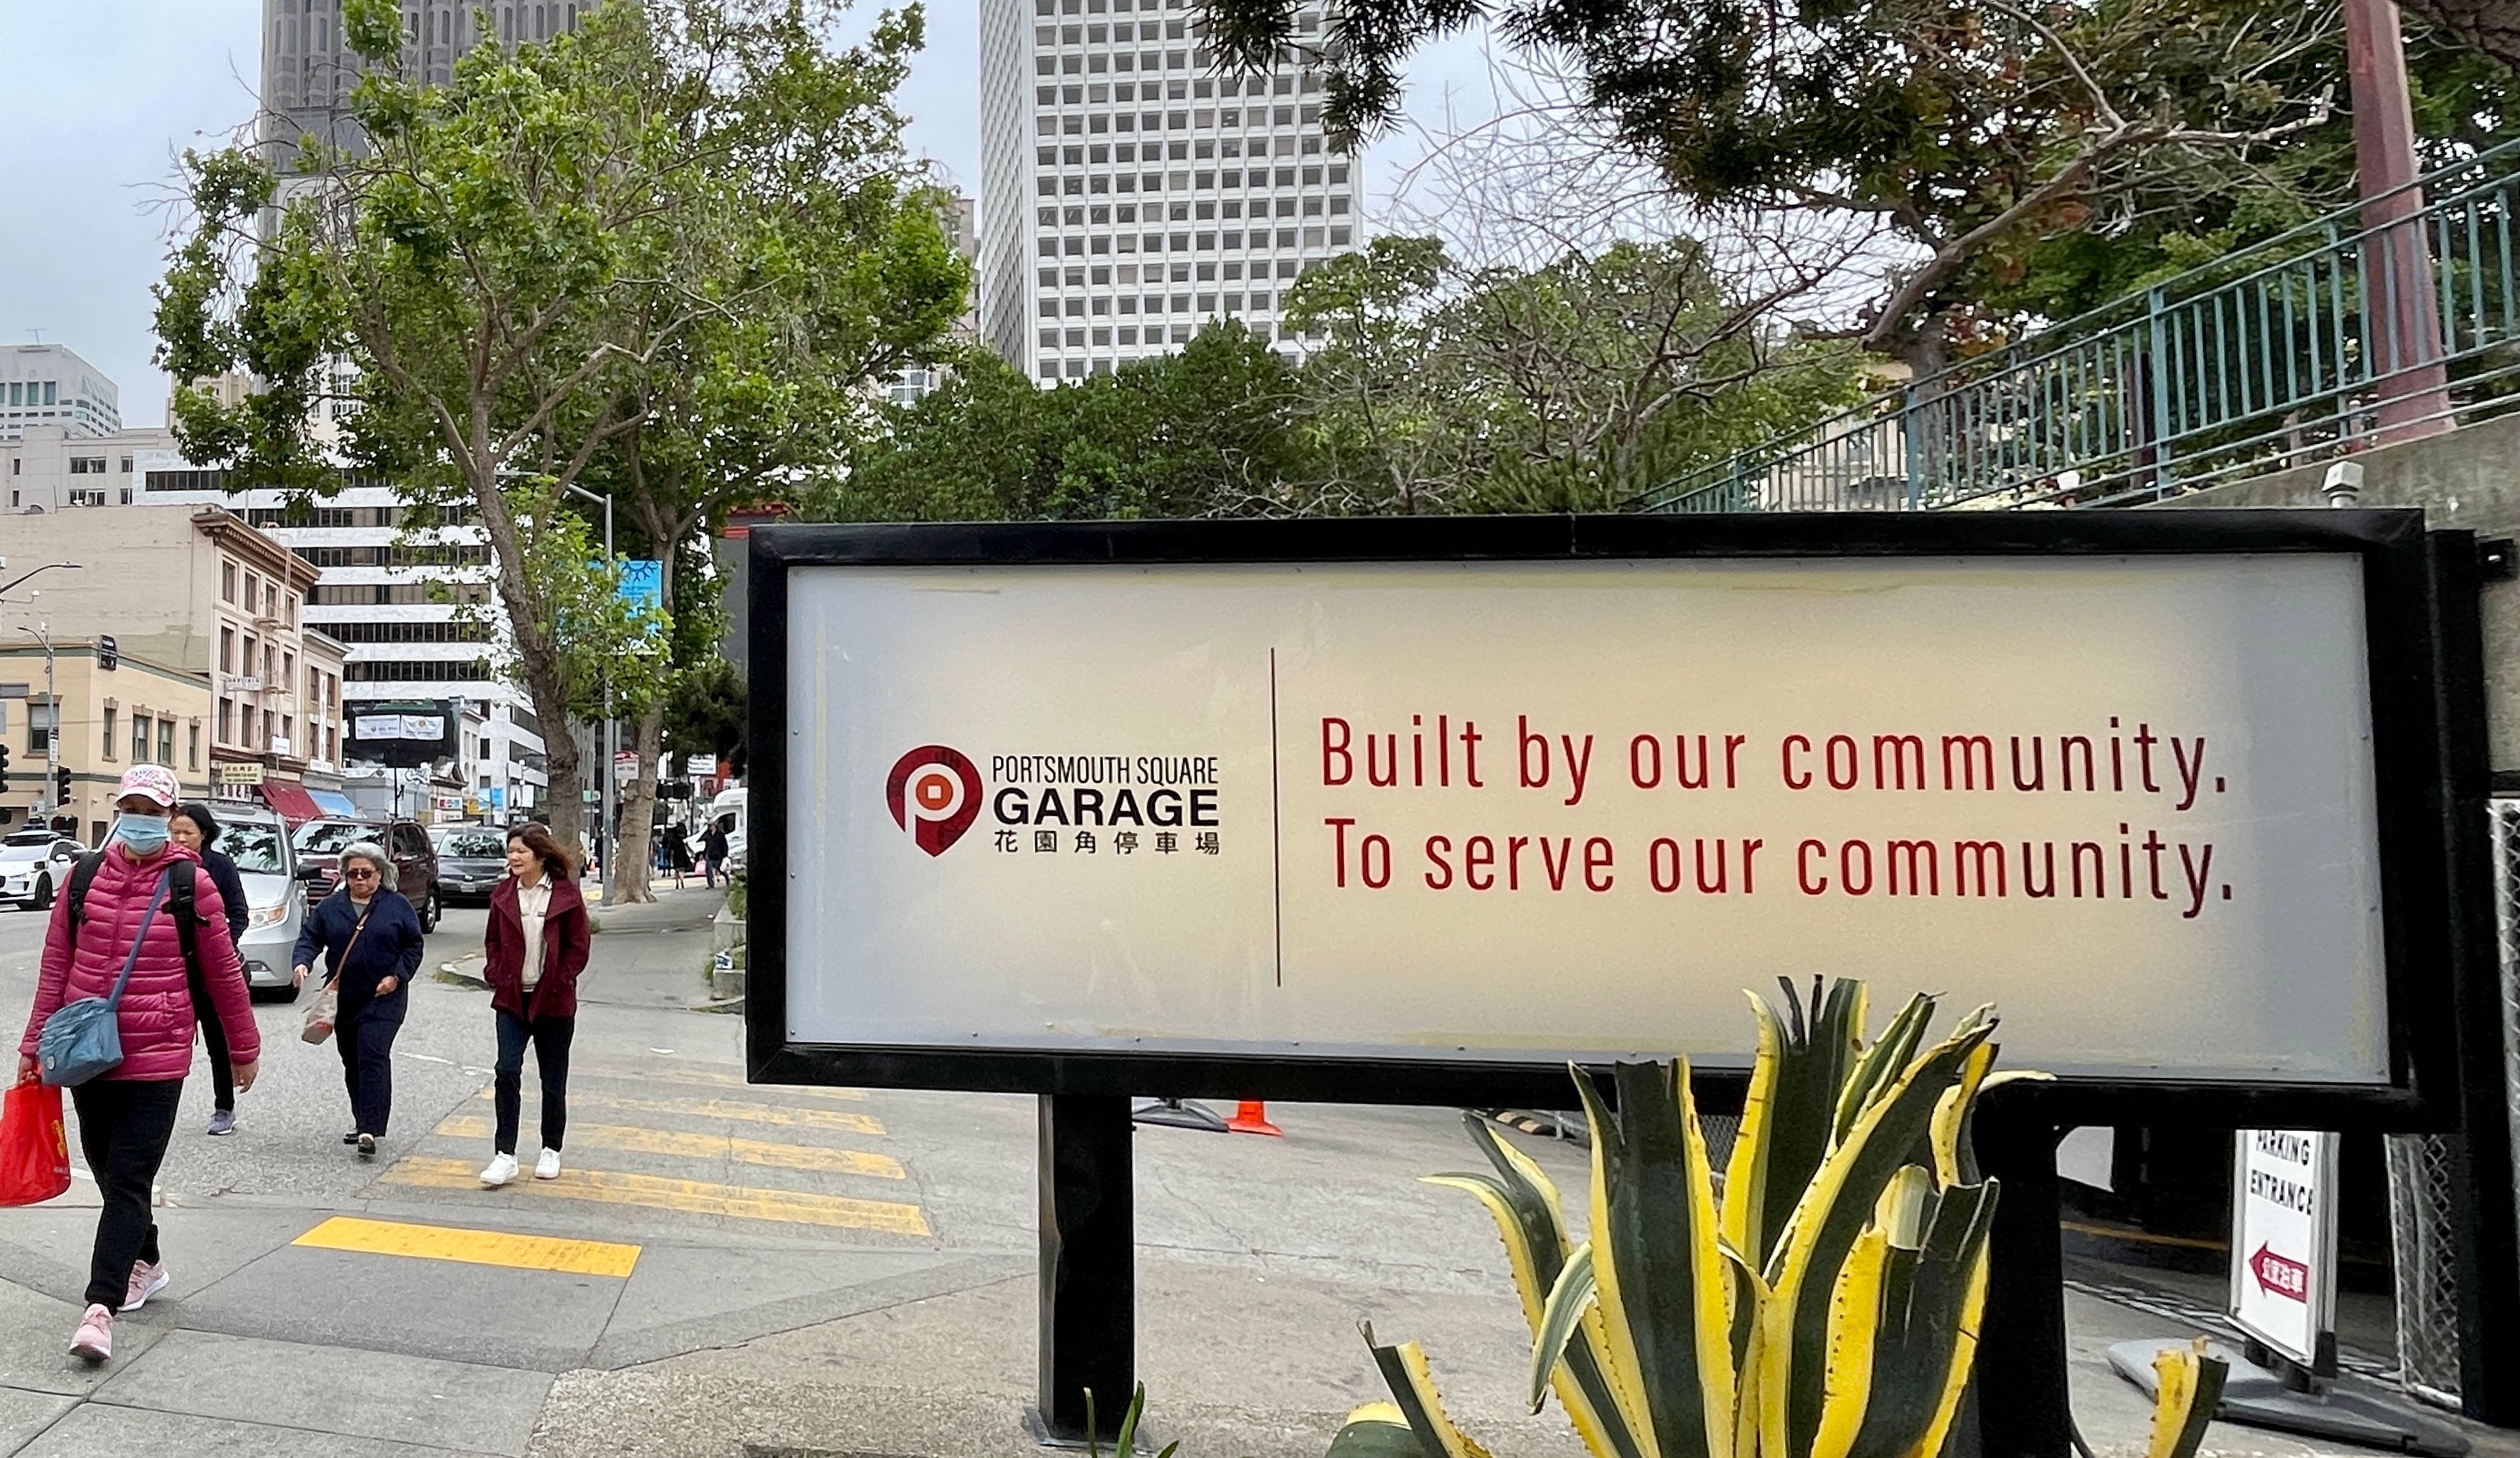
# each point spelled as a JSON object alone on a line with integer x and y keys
{"x": 2421, "y": 713}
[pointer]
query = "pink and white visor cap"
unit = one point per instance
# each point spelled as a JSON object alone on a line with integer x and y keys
{"x": 156, "y": 781}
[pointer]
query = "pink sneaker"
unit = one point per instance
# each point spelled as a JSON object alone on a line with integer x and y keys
{"x": 146, "y": 1281}
{"x": 95, "y": 1340}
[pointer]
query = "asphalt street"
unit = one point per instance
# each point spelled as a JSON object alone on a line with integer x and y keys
{"x": 724, "y": 1269}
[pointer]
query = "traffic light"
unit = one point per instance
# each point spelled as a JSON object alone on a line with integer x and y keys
{"x": 4, "y": 769}
{"x": 61, "y": 787}
{"x": 108, "y": 654}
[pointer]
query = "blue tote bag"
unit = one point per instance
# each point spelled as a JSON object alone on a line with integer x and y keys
{"x": 80, "y": 1040}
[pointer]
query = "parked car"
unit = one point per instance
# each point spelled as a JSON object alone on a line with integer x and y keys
{"x": 35, "y": 865}
{"x": 319, "y": 845}
{"x": 258, "y": 842}
{"x": 471, "y": 861}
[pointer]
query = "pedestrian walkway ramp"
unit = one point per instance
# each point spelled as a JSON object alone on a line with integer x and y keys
{"x": 685, "y": 1144}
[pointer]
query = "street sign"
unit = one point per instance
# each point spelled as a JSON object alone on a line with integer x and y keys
{"x": 1409, "y": 813}
{"x": 2283, "y": 1244}
{"x": 700, "y": 766}
{"x": 625, "y": 767}
{"x": 230, "y": 773}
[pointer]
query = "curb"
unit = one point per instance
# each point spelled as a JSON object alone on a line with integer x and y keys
{"x": 447, "y": 973}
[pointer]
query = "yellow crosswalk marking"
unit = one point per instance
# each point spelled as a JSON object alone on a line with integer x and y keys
{"x": 532, "y": 1253}
{"x": 701, "y": 1079}
{"x": 728, "y": 1109}
{"x": 692, "y": 1196}
{"x": 699, "y": 1147}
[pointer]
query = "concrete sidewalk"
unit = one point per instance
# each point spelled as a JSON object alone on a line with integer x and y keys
{"x": 726, "y": 1270}
{"x": 1258, "y": 1260}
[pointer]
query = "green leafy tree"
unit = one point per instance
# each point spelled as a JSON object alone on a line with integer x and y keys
{"x": 1199, "y": 433}
{"x": 510, "y": 262}
{"x": 2024, "y": 156}
{"x": 1571, "y": 387}
{"x": 826, "y": 266}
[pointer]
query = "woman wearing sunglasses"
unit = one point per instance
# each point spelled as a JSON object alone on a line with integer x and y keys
{"x": 371, "y": 939}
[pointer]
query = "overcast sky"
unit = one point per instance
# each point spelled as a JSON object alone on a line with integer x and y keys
{"x": 104, "y": 94}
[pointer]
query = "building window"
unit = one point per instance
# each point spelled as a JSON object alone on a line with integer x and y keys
{"x": 227, "y": 582}
{"x": 140, "y": 739}
{"x": 193, "y": 756}
{"x": 227, "y": 649}
{"x": 109, "y": 734}
{"x": 269, "y": 723}
{"x": 253, "y": 593}
{"x": 166, "y": 742}
{"x": 39, "y": 728}
{"x": 227, "y": 722}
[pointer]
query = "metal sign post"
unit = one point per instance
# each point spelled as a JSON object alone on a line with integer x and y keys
{"x": 2166, "y": 787}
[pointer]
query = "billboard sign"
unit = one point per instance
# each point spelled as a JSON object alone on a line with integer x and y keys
{"x": 1504, "y": 810}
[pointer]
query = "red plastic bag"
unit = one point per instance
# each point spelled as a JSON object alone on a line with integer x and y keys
{"x": 34, "y": 1149}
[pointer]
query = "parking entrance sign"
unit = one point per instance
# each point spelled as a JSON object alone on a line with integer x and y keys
{"x": 2283, "y": 1242}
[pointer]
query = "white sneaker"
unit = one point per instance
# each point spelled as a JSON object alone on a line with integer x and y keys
{"x": 502, "y": 1169}
{"x": 547, "y": 1165}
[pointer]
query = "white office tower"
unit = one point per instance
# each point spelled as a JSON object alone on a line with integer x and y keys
{"x": 47, "y": 384}
{"x": 1130, "y": 191}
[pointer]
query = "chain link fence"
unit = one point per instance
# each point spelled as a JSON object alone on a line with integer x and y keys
{"x": 2422, "y": 1168}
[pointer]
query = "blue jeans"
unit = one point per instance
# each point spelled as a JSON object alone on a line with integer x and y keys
{"x": 551, "y": 1039}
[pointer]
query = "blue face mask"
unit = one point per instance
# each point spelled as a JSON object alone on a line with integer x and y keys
{"x": 141, "y": 835}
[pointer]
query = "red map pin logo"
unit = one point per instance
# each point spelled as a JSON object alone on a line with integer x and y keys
{"x": 934, "y": 794}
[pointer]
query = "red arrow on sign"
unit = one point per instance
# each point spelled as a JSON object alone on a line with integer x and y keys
{"x": 2279, "y": 1274}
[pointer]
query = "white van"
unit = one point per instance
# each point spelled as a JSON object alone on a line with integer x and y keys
{"x": 726, "y": 812}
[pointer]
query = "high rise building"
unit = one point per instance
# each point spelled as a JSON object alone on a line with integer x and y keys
{"x": 307, "y": 72}
{"x": 1130, "y": 191}
{"x": 47, "y": 384}
{"x": 413, "y": 607}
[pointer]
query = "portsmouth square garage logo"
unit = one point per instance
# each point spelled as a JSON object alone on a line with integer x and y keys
{"x": 934, "y": 794}
{"x": 1082, "y": 804}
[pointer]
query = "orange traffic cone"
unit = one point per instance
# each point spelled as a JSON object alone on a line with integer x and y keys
{"x": 1251, "y": 1116}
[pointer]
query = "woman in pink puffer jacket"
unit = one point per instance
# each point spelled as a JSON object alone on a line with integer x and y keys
{"x": 126, "y": 1117}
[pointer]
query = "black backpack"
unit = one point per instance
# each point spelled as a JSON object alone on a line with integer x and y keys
{"x": 179, "y": 899}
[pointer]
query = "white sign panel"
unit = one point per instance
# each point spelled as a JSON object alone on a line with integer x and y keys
{"x": 1514, "y": 811}
{"x": 2283, "y": 1240}
{"x": 427, "y": 728}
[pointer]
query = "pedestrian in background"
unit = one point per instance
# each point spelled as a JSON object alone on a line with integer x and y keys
{"x": 126, "y": 1114}
{"x": 533, "y": 950}
{"x": 678, "y": 847}
{"x": 713, "y": 852}
{"x": 194, "y": 829}
{"x": 371, "y": 942}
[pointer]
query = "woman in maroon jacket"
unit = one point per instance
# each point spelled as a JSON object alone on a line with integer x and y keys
{"x": 535, "y": 948}
{"x": 125, "y": 1115}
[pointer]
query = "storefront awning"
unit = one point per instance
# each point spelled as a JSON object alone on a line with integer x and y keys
{"x": 291, "y": 800}
{"x": 334, "y": 803}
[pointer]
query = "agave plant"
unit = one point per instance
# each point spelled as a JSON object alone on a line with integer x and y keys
{"x": 1826, "y": 1306}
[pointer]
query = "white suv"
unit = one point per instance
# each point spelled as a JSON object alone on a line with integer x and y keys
{"x": 35, "y": 866}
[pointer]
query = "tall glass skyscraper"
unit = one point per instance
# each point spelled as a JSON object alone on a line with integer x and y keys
{"x": 1131, "y": 192}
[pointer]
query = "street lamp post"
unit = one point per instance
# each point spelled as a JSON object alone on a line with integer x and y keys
{"x": 604, "y": 849}
{"x": 51, "y": 701}
{"x": 43, "y": 633}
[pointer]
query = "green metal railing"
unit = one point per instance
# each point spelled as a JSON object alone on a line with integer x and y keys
{"x": 2327, "y": 336}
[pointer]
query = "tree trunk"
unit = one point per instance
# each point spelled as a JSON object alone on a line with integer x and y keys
{"x": 538, "y": 659}
{"x": 630, "y": 866}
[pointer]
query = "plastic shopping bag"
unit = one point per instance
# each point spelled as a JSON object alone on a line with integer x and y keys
{"x": 34, "y": 1149}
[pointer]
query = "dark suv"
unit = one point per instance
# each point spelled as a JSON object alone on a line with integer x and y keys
{"x": 319, "y": 845}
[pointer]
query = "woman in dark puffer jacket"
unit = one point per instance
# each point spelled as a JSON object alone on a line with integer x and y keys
{"x": 126, "y": 1115}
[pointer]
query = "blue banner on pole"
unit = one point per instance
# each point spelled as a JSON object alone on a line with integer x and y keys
{"x": 644, "y": 582}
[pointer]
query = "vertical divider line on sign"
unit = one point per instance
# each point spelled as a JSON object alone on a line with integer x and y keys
{"x": 1277, "y": 855}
